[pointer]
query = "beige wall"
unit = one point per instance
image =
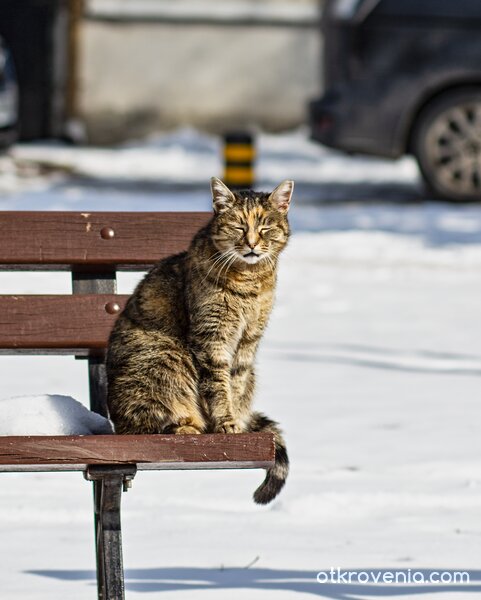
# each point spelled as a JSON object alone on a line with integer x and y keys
{"x": 136, "y": 77}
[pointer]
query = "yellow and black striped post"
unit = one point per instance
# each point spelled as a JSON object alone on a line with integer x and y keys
{"x": 239, "y": 157}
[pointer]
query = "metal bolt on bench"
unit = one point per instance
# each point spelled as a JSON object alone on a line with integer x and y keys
{"x": 93, "y": 247}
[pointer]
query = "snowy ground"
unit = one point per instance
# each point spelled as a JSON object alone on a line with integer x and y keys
{"x": 371, "y": 363}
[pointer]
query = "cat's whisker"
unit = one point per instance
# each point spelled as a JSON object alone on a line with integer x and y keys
{"x": 233, "y": 259}
{"x": 218, "y": 263}
{"x": 229, "y": 261}
{"x": 218, "y": 256}
{"x": 219, "y": 259}
{"x": 271, "y": 262}
{"x": 215, "y": 257}
{"x": 231, "y": 255}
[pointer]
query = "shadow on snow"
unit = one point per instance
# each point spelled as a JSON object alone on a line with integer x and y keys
{"x": 302, "y": 582}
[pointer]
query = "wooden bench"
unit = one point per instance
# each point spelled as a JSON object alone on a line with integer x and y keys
{"x": 93, "y": 247}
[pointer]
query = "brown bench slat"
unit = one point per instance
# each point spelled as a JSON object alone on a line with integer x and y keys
{"x": 74, "y": 453}
{"x": 61, "y": 240}
{"x": 70, "y": 324}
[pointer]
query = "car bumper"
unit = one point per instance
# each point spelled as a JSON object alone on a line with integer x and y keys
{"x": 323, "y": 121}
{"x": 338, "y": 122}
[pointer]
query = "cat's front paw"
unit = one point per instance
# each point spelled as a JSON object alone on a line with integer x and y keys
{"x": 186, "y": 430}
{"x": 188, "y": 426}
{"x": 229, "y": 427}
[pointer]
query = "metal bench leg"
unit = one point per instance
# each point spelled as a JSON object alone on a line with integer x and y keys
{"x": 97, "y": 485}
{"x": 108, "y": 484}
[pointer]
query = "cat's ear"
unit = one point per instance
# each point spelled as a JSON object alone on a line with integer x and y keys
{"x": 281, "y": 196}
{"x": 222, "y": 197}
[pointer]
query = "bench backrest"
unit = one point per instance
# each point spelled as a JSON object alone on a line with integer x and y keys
{"x": 93, "y": 246}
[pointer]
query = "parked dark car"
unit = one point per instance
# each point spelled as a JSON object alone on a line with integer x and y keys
{"x": 404, "y": 77}
{"x": 8, "y": 98}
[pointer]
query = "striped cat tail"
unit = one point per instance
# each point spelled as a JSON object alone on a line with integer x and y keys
{"x": 276, "y": 476}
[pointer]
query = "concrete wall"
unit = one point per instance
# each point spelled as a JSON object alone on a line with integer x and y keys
{"x": 138, "y": 76}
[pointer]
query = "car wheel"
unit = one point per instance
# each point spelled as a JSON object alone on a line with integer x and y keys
{"x": 447, "y": 144}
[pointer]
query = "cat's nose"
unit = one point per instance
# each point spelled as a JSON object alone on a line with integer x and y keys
{"x": 251, "y": 240}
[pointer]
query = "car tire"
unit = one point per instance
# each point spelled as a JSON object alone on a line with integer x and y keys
{"x": 446, "y": 142}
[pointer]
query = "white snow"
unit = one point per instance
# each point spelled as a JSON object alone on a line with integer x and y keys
{"x": 49, "y": 414}
{"x": 371, "y": 363}
{"x": 184, "y": 156}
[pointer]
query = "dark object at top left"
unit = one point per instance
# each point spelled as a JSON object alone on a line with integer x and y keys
{"x": 8, "y": 98}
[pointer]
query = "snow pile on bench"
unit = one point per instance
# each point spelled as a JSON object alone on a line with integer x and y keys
{"x": 49, "y": 415}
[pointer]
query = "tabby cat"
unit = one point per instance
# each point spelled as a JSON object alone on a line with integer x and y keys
{"x": 181, "y": 354}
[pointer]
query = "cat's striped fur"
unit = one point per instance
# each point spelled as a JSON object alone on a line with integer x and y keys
{"x": 181, "y": 355}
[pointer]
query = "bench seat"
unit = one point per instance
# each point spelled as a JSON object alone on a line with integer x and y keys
{"x": 162, "y": 452}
